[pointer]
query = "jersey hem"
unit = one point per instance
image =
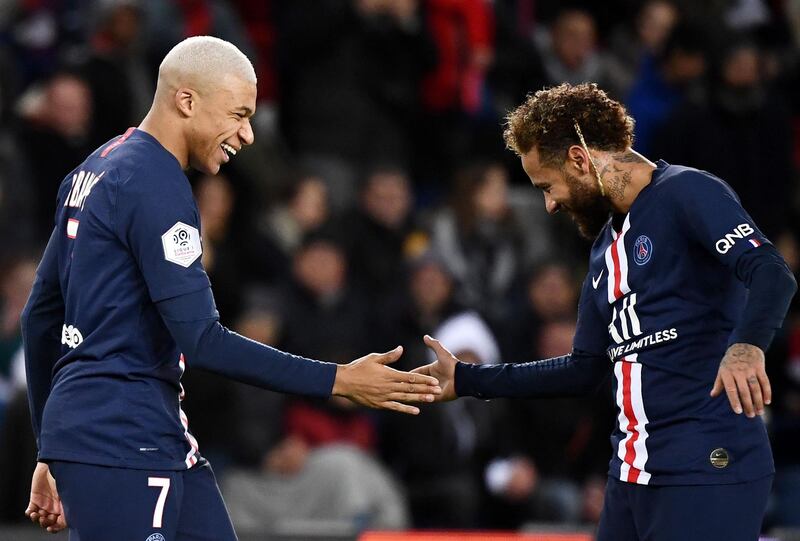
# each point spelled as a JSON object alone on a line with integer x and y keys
{"x": 114, "y": 462}
{"x": 697, "y": 479}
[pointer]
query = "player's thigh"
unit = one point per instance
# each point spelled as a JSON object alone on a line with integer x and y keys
{"x": 204, "y": 516}
{"x": 616, "y": 520}
{"x": 102, "y": 503}
{"x": 704, "y": 512}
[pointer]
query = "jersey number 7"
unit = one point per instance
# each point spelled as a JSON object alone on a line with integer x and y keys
{"x": 158, "y": 513}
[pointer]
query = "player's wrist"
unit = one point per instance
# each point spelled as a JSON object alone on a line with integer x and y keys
{"x": 341, "y": 382}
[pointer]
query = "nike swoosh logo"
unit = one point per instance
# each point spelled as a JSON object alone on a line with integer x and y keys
{"x": 596, "y": 281}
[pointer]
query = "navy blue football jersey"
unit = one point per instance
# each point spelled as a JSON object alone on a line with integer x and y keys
{"x": 127, "y": 236}
{"x": 661, "y": 299}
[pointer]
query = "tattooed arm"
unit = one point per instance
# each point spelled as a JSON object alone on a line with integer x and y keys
{"x": 743, "y": 376}
{"x": 742, "y": 373}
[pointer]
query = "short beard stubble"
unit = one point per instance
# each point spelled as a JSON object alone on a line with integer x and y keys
{"x": 588, "y": 209}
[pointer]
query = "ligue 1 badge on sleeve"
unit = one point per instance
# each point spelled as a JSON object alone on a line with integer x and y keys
{"x": 181, "y": 244}
{"x": 642, "y": 250}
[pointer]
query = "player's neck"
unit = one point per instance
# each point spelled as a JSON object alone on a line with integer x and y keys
{"x": 624, "y": 175}
{"x": 166, "y": 134}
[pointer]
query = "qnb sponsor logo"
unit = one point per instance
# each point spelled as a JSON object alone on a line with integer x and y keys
{"x": 729, "y": 240}
{"x": 71, "y": 336}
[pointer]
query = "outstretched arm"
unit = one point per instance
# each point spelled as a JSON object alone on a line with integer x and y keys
{"x": 193, "y": 321}
{"x": 575, "y": 374}
{"x": 570, "y": 375}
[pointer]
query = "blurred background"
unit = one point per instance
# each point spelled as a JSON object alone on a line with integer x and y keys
{"x": 378, "y": 204}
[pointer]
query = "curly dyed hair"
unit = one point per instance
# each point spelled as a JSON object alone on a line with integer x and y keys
{"x": 547, "y": 119}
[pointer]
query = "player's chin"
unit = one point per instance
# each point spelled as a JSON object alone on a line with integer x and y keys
{"x": 211, "y": 167}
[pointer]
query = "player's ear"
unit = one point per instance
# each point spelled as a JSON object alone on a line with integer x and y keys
{"x": 577, "y": 159}
{"x": 186, "y": 101}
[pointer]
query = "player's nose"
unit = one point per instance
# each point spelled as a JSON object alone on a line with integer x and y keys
{"x": 550, "y": 205}
{"x": 246, "y": 133}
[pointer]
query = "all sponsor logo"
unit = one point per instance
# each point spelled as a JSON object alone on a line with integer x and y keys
{"x": 627, "y": 333}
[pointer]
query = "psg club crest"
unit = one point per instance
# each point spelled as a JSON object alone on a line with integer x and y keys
{"x": 642, "y": 250}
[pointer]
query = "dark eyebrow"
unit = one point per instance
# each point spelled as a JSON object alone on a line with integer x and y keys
{"x": 541, "y": 185}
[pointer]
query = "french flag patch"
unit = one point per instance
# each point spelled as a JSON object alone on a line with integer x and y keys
{"x": 72, "y": 228}
{"x": 755, "y": 242}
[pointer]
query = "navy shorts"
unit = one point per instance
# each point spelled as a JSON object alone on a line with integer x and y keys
{"x": 633, "y": 512}
{"x": 102, "y": 503}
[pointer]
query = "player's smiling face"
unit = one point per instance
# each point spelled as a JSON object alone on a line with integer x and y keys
{"x": 576, "y": 194}
{"x": 221, "y": 127}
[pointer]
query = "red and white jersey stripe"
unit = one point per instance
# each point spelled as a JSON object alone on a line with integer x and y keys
{"x": 617, "y": 263}
{"x": 632, "y": 419}
{"x": 118, "y": 142}
{"x": 191, "y": 456}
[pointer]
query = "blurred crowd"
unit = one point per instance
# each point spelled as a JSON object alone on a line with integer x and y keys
{"x": 378, "y": 204}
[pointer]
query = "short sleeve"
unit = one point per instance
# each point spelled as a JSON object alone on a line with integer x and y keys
{"x": 158, "y": 220}
{"x": 709, "y": 211}
{"x": 591, "y": 332}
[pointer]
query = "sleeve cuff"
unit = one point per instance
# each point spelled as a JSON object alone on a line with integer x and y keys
{"x": 761, "y": 338}
{"x": 465, "y": 380}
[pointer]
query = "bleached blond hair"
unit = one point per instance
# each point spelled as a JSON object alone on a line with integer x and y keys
{"x": 205, "y": 59}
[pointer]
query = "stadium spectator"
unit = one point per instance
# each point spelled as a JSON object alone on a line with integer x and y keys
{"x": 663, "y": 85}
{"x": 17, "y": 278}
{"x": 783, "y": 367}
{"x": 421, "y": 306}
{"x": 17, "y": 445}
{"x": 335, "y": 483}
{"x": 58, "y": 119}
{"x": 569, "y": 50}
{"x": 305, "y": 460}
{"x": 306, "y": 210}
{"x": 18, "y": 227}
{"x": 323, "y": 314}
{"x": 479, "y": 239}
{"x": 299, "y": 464}
{"x": 375, "y": 233}
{"x": 453, "y": 92}
{"x": 343, "y": 102}
{"x": 549, "y": 471}
{"x": 441, "y": 457}
{"x": 215, "y": 201}
{"x": 115, "y": 68}
{"x": 739, "y": 115}
{"x": 550, "y": 296}
{"x": 632, "y": 46}
{"x": 517, "y": 66}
